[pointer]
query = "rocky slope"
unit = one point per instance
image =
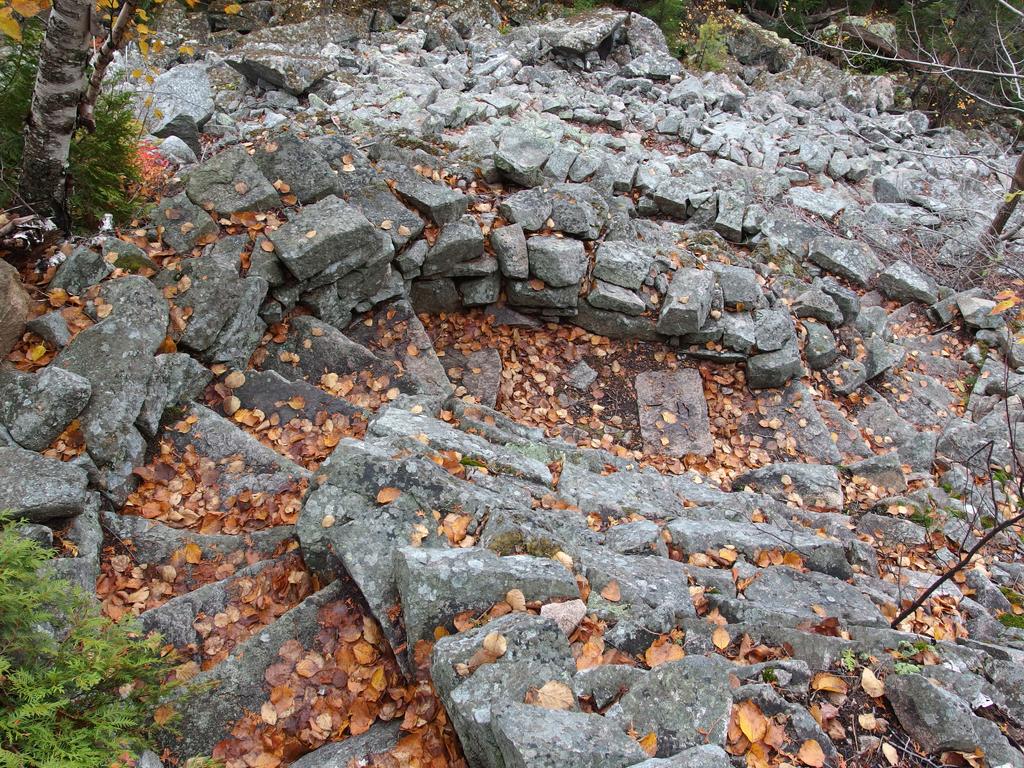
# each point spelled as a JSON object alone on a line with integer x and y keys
{"x": 520, "y": 367}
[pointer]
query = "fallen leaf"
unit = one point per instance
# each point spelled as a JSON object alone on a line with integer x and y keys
{"x": 890, "y": 753}
{"x": 811, "y": 754}
{"x": 823, "y": 681}
{"x": 720, "y": 637}
{"x": 495, "y": 644}
{"x": 611, "y": 592}
{"x": 552, "y": 695}
{"x": 193, "y": 553}
{"x": 649, "y": 744}
{"x": 752, "y": 721}
{"x": 871, "y": 684}
{"x": 388, "y": 495}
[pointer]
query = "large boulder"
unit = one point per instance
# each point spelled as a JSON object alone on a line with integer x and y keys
{"x": 116, "y": 357}
{"x": 35, "y": 409}
{"x": 37, "y": 489}
{"x": 14, "y": 304}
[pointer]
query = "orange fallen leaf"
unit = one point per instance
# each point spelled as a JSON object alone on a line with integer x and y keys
{"x": 823, "y": 681}
{"x": 388, "y": 495}
{"x": 611, "y": 592}
{"x": 811, "y": 754}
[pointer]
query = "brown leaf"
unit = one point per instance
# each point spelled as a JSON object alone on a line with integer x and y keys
{"x": 663, "y": 650}
{"x": 163, "y": 714}
{"x": 611, "y": 592}
{"x": 496, "y": 644}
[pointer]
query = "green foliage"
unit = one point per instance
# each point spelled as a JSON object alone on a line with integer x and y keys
{"x": 849, "y": 660}
{"x": 710, "y": 50}
{"x": 104, "y": 165}
{"x": 76, "y": 689}
{"x": 1012, "y": 620}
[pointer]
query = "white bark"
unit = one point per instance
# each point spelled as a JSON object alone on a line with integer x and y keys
{"x": 60, "y": 84}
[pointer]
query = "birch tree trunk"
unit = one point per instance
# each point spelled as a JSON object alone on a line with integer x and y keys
{"x": 59, "y": 86}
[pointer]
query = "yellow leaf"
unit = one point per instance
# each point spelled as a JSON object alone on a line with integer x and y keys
{"x": 193, "y": 553}
{"x": 649, "y": 744}
{"x": 186, "y": 50}
{"x": 9, "y": 26}
{"x": 752, "y": 721}
{"x": 28, "y": 8}
{"x": 142, "y": 14}
{"x": 826, "y": 682}
{"x": 871, "y": 684}
{"x": 720, "y": 637}
{"x": 233, "y": 10}
{"x": 811, "y": 754}
{"x": 668, "y": 417}
{"x": 36, "y": 352}
{"x": 1004, "y": 305}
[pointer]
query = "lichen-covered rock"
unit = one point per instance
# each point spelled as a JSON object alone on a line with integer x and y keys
{"x": 436, "y": 584}
{"x": 903, "y": 282}
{"x": 687, "y": 302}
{"x": 231, "y": 182}
{"x": 35, "y": 409}
{"x": 533, "y": 737}
{"x": 14, "y": 304}
{"x": 37, "y": 489}
{"x": 686, "y": 703}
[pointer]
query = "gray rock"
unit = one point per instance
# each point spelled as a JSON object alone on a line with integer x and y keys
{"x": 37, "y": 489}
{"x": 686, "y": 703}
{"x": 286, "y": 158}
{"x": 819, "y": 553}
{"x": 14, "y": 304}
{"x": 83, "y": 268}
{"x": 530, "y": 208}
{"x": 775, "y": 329}
{"x": 534, "y": 737}
{"x": 704, "y": 756}
{"x": 774, "y": 369}
{"x": 177, "y": 379}
{"x": 184, "y": 223}
{"x": 820, "y": 348}
{"x": 51, "y": 327}
{"x": 290, "y": 71}
{"x": 845, "y": 376}
{"x": 581, "y": 376}
{"x": 521, "y": 156}
{"x": 441, "y": 203}
{"x": 622, "y": 263}
{"x": 536, "y": 652}
{"x": 116, "y": 356}
{"x": 436, "y": 584}
{"x": 786, "y": 592}
{"x": 182, "y": 102}
{"x": 342, "y": 240}
{"x": 846, "y": 258}
{"x": 818, "y": 485}
{"x": 579, "y": 210}
{"x": 681, "y": 395}
{"x": 615, "y": 299}
{"x": 936, "y": 719}
{"x": 740, "y": 289}
{"x": 687, "y": 302}
{"x": 883, "y": 471}
{"x": 382, "y": 737}
{"x": 35, "y": 409}
{"x": 902, "y": 282}
{"x": 231, "y": 182}
{"x": 559, "y": 262}
{"x": 509, "y": 246}
{"x": 459, "y": 241}
{"x": 817, "y": 304}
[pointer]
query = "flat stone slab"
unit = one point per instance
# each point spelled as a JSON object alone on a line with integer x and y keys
{"x": 673, "y": 413}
